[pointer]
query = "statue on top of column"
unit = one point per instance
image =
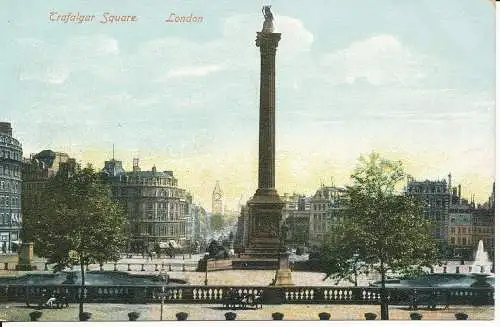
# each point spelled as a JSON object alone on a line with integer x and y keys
{"x": 268, "y": 26}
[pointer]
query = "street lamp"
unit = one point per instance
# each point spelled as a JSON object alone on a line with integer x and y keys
{"x": 206, "y": 268}
{"x": 163, "y": 294}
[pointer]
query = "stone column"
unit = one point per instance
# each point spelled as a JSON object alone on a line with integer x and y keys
{"x": 268, "y": 43}
{"x": 265, "y": 207}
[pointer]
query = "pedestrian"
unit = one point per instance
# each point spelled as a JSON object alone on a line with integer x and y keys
{"x": 51, "y": 300}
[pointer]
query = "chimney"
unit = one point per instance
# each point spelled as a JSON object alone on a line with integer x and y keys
{"x": 5, "y": 128}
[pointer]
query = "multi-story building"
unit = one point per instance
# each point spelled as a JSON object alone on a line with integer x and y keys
{"x": 10, "y": 189}
{"x": 436, "y": 197}
{"x": 36, "y": 171}
{"x": 217, "y": 200}
{"x": 324, "y": 210}
{"x": 158, "y": 210}
{"x": 460, "y": 230}
{"x": 296, "y": 215}
{"x": 483, "y": 226}
{"x": 459, "y": 223}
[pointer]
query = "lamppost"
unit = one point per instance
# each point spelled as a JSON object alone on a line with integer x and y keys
{"x": 162, "y": 295}
{"x": 206, "y": 268}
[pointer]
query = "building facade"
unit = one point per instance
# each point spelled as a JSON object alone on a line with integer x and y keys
{"x": 296, "y": 216}
{"x": 436, "y": 198}
{"x": 324, "y": 210}
{"x": 10, "y": 190}
{"x": 159, "y": 211}
{"x": 459, "y": 223}
{"x": 460, "y": 233}
{"x": 36, "y": 171}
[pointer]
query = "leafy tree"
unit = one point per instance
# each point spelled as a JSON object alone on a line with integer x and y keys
{"x": 381, "y": 229}
{"x": 217, "y": 222}
{"x": 77, "y": 222}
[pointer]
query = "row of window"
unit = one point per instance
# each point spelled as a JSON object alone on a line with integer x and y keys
{"x": 461, "y": 241}
{"x": 8, "y": 154}
{"x": 427, "y": 189}
{"x": 6, "y": 139}
{"x": 149, "y": 181}
{"x": 160, "y": 229}
{"x": 9, "y": 218}
{"x": 463, "y": 230}
{"x": 9, "y": 202}
{"x": 132, "y": 192}
{"x": 10, "y": 186}
{"x": 469, "y": 241}
{"x": 6, "y": 170}
{"x": 320, "y": 207}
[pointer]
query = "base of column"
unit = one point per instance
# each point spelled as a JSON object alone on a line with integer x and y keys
{"x": 265, "y": 212}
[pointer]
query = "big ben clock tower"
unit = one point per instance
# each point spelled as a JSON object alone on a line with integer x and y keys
{"x": 217, "y": 196}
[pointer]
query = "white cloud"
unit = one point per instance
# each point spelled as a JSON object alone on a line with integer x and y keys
{"x": 378, "y": 60}
{"x": 195, "y": 71}
{"x": 54, "y": 64}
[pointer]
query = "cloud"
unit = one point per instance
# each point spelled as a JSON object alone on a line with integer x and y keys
{"x": 195, "y": 71}
{"x": 378, "y": 61}
{"x": 55, "y": 64}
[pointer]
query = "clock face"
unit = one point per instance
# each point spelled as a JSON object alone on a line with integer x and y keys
{"x": 217, "y": 196}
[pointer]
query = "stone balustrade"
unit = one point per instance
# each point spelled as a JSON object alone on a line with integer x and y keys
{"x": 215, "y": 294}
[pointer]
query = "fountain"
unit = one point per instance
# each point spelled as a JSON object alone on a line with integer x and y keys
{"x": 481, "y": 260}
{"x": 479, "y": 275}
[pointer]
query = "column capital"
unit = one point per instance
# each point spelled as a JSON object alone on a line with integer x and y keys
{"x": 267, "y": 40}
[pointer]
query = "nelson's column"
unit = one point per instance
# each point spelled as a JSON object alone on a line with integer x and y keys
{"x": 265, "y": 206}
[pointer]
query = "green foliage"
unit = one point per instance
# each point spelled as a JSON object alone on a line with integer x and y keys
{"x": 381, "y": 229}
{"x": 217, "y": 222}
{"x": 77, "y": 222}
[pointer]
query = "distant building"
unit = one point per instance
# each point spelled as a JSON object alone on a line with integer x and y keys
{"x": 296, "y": 215}
{"x": 10, "y": 189}
{"x": 158, "y": 210}
{"x": 460, "y": 233}
{"x": 436, "y": 197}
{"x": 324, "y": 211}
{"x": 459, "y": 223}
{"x": 217, "y": 200}
{"x": 36, "y": 171}
{"x": 483, "y": 226}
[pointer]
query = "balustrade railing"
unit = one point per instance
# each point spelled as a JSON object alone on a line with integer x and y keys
{"x": 215, "y": 294}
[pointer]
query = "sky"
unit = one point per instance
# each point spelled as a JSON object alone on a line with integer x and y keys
{"x": 412, "y": 80}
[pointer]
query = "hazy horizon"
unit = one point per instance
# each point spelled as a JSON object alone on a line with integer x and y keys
{"x": 414, "y": 81}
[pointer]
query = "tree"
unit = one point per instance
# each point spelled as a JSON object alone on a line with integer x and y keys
{"x": 381, "y": 229}
{"x": 77, "y": 222}
{"x": 216, "y": 222}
